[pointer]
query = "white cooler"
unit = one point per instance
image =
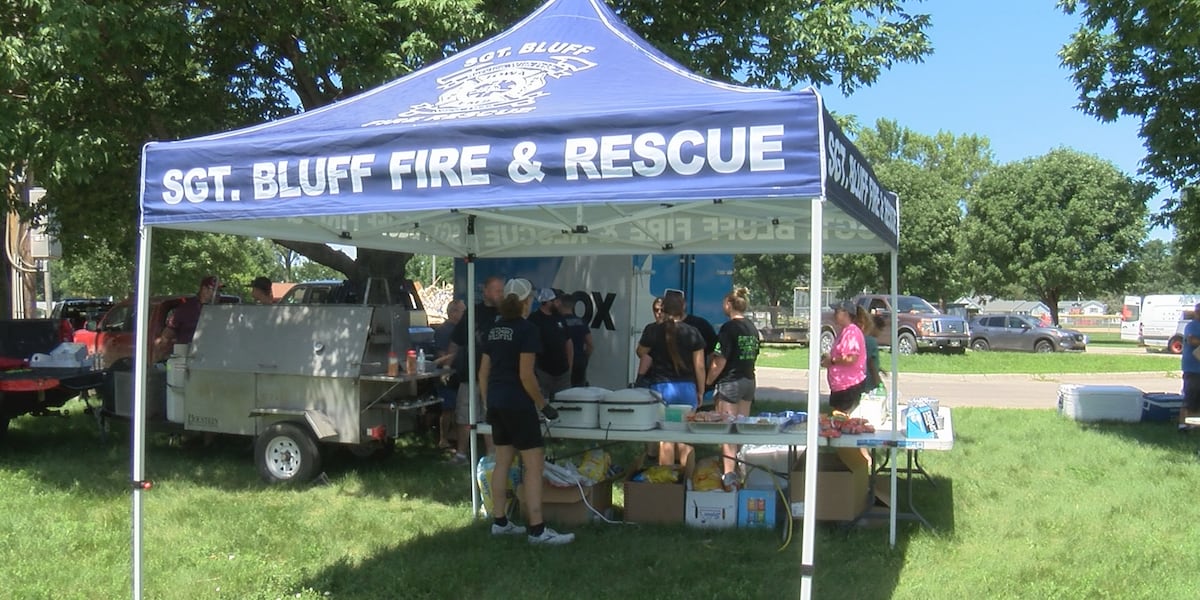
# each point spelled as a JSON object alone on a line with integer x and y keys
{"x": 579, "y": 407}
{"x": 1100, "y": 402}
{"x": 633, "y": 409}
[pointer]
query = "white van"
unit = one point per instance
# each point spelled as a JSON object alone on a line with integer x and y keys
{"x": 1161, "y": 317}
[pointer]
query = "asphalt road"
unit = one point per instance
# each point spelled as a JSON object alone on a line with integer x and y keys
{"x": 999, "y": 391}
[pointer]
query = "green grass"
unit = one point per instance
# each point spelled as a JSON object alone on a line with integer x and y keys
{"x": 979, "y": 363}
{"x": 1027, "y": 505}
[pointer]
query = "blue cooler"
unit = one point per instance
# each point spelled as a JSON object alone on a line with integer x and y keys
{"x": 1161, "y": 406}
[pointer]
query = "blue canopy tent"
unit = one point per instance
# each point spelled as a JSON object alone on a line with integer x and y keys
{"x": 564, "y": 135}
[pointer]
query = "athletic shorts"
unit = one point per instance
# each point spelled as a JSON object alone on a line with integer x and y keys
{"x": 676, "y": 392}
{"x": 449, "y": 397}
{"x": 1191, "y": 393}
{"x": 847, "y": 400}
{"x": 519, "y": 428}
{"x": 462, "y": 407}
{"x": 737, "y": 390}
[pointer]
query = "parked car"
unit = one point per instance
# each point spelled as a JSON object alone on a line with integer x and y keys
{"x": 112, "y": 338}
{"x": 75, "y": 313}
{"x": 1023, "y": 333}
{"x": 919, "y": 325}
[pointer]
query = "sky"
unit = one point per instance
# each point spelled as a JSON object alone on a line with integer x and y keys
{"x": 995, "y": 72}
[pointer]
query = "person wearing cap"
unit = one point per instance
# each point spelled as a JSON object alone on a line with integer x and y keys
{"x": 260, "y": 290}
{"x": 846, "y": 363}
{"x": 554, "y": 362}
{"x": 515, "y": 405}
{"x": 181, "y": 323}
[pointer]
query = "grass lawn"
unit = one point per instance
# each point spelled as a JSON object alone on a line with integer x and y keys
{"x": 1027, "y": 505}
{"x": 979, "y": 363}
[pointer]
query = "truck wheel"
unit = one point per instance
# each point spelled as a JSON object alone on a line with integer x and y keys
{"x": 1175, "y": 346}
{"x": 826, "y": 341}
{"x": 286, "y": 453}
{"x": 980, "y": 345}
{"x": 907, "y": 344}
{"x": 1043, "y": 346}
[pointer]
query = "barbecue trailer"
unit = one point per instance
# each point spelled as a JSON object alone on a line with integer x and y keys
{"x": 297, "y": 378}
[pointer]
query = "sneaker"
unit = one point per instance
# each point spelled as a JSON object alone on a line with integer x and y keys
{"x": 458, "y": 459}
{"x": 551, "y": 537}
{"x": 509, "y": 529}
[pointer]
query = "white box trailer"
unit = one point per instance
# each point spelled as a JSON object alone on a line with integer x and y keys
{"x": 296, "y": 377}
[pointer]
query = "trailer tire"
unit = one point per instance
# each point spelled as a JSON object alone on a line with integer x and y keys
{"x": 286, "y": 453}
{"x": 1175, "y": 346}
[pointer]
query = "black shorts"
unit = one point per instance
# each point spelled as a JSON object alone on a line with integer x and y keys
{"x": 847, "y": 400}
{"x": 519, "y": 428}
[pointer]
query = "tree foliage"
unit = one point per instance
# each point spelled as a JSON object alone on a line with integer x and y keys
{"x": 83, "y": 85}
{"x": 770, "y": 277}
{"x": 1058, "y": 225}
{"x": 933, "y": 176}
{"x": 1138, "y": 58}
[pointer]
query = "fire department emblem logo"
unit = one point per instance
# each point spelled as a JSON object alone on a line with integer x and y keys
{"x": 506, "y": 85}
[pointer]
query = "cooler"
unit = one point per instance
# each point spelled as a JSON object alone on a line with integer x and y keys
{"x": 1161, "y": 406}
{"x": 632, "y": 409}
{"x": 1100, "y": 402}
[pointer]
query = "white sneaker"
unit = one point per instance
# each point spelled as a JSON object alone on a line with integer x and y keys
{"x": 551, "y": 537}
{"x": 508, "y": 529}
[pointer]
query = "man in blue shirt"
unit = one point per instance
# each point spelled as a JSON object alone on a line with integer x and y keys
{"x": 1191, "y": 371}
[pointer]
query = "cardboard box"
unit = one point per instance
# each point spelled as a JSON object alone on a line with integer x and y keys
{"x": 565, "y": 506}
{"x": 653, "y": 502}
{"x": 716, "y": 509}
{"x": 756, "y": 508}
{"x": 841, "y": 493}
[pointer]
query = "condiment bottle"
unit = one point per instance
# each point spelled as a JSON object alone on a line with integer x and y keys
{"x": 410, "y": 366}
{"x": 393, "y": 364}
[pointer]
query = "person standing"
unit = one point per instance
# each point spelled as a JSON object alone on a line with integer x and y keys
{"x": 847, "y": 360}
{"x": 1191, "y": 371}
{"x": 676, "y": 352}
{"x": 181, "y": 323}
{"x": 644, "y": 357}
{"x": 553, "y": 365}
{"x": 260, "y": 290}
{"x": 515, "y": 406}
{"x": 731, "y": 371}
{"x": 446, "y": 392}
{"x": 867, "y": 323}
{"x": 581, "y": 340}
{"x": 485, "y": 315}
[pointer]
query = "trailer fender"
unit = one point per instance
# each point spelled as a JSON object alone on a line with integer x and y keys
{"x": 320, "y": 423}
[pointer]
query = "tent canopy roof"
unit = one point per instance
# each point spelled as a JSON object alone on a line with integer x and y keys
{"x": 564, "y": 135}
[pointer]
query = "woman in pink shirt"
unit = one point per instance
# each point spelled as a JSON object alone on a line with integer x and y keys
{"x": 846, "y": 364}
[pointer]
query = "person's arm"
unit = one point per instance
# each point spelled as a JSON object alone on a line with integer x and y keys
{"x": 570, "y": 347}
{"x": 485, "y": 368}
{"x": 587, "y": 345}
{"x": 644, "y": 360}
{"x": 715, "y": 369}
{"x": 698, "y": 365}
{"x": 529, "y": 380}
{"x": 447, "y": 358}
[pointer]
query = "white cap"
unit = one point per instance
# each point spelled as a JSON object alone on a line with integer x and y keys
{"x": 521, "y": 287}
{"x": 546, "y": 295}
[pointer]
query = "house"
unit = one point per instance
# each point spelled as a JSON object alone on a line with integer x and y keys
{"x": 1082, "y": 307}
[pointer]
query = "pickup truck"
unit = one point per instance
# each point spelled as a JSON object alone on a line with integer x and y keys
{"x": 31, "y": 390}
{"x": 112, "y": 338}
{"x": 920, "y": 326}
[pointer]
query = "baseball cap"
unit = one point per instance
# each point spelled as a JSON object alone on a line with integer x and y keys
{"x": 261, "y": 283}
{"x": 211, "y": 281}
{"x": 546, "y": 295}
{"x": 845, "y": 305}
{"x": 518, "y": 286}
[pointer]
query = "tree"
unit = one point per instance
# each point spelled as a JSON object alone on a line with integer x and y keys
{"x": 933, "y": 176}
{"x": 1138, "y": 58}
{"x": 1065, "y": 223}
{"x": 83, "y": 85}
{"x": 770, "y": 277}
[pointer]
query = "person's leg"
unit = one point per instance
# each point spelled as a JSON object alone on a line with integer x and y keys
{"x": 504, "y": 458}
{"x": 728, "y": 451}
{"x": 462, "y": 419}
{"x": 666, "y": 453}
{"x": 532, "y": 460}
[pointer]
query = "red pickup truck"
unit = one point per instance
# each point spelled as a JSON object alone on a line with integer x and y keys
{"x": 112, "y": 339}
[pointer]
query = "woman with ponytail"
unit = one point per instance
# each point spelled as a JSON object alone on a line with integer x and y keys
{"x": 676, "y": 352}
{"x": 732, "y": 367}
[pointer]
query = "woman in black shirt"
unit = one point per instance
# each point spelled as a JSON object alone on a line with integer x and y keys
{"x": 732, "y": 368}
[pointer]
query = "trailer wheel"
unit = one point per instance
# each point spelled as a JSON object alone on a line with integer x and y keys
{"x": 286, "y": 453}
{"x": 1175, "y": 346}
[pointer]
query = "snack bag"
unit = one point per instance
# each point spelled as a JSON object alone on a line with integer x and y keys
{"x": 483, "y": 476}
{"x": 595, "y": 464}
{"x": 707, "y": 476}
